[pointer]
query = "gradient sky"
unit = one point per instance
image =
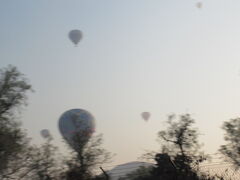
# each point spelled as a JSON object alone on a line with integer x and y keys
{"x": 162, "y": 56}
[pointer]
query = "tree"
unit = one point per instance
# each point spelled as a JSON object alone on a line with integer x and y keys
{"x": 180, "y": 137}
{"x": 180, "y": 141}
{"x": 180, "y": 156}
{"x": 86, "y": 157}
{"x": 231, "y": 150}
{"x": 13, "y": 90}
{"x": 44, "y": 162}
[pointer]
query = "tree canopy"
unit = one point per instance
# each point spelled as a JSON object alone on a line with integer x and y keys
{"x": 231, "y": 150}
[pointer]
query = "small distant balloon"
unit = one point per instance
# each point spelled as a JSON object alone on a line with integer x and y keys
{"x": 145, "y": 115}
{"x": 76, "y": 122}
{"x": 45, "y": 133}
{"x": 75, "y": 36}
{"x": 199, "y": 5}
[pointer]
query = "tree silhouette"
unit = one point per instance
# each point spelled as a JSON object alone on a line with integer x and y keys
{"x": 180, "y": 154}
{"x": 13, "y": 141}
{"x": 180, "y": 141}
{"x": 231, "y": 150}
{"x": 44, "y": 162}
{"x": 86, "y": 157}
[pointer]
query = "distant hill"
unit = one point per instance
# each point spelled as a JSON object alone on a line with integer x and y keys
{"x": 124, "y": 169}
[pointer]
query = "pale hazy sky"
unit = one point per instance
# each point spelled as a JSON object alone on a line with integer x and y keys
{"x": 161, "y": 56}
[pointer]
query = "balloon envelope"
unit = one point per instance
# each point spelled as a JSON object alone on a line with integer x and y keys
{"x": 75, "y": 36}
{"x": 76, "y": 122}
{"x": 199, "y": 5}
{"x": 45, "y": 133}
{"x": 146, "y": 115}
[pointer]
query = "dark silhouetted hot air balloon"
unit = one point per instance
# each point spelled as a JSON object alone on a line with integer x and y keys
{"x": 199, "y": 5}
{"x": 76, "y": 122}
{"x": 45, "y": 133}
{"x": 145, "y": 115}
{"x": 75, "y": 36}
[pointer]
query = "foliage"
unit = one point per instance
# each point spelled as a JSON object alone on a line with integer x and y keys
{"x": 86, "y": 157}
{"x": 43, "y": 162}
{"x": 180, "y": 141}
{"x": 168, "y": 168}
{"x": 13, "y": 141}
{"x": 180, "y": 155}
{"x": 231, "y": 150}
{"x": 13, "y": 89}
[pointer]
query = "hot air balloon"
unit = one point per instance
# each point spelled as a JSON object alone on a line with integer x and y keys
{"x": 199, "y": 5}
{"x": 75, "y": 36}
{"x": 45, "y": 133}
{"x": 76, "y": 122}
{"x": 146, "y": 115}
